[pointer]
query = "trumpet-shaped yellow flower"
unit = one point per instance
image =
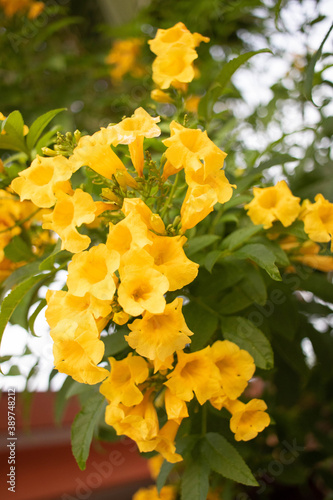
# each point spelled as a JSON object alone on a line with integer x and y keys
{"x": 163, "y": 443}
{"x": 307, "y": 253}
{"x": 236, "y": 367}
{"x": 71, "y": 212}
{"x": 142, "y": 288}
{"x": 170, "y": 260}
{"x": 194, "y": 373}
{"x": 12, "y": 7}
{"x": 95, "y": 152}
{"x": 175, "y": 407}
{"x": 133, "y": 130}
{"x": 318, "y": 219}
{"x": 61, "y": 304}
{"x": 124, "y": 58}
{"x": 160, "y": 335}
{"x": 121, "y": 385}
{"x": 167, "y": 493}
{"x": 177, "y": 35}
{"x": 193, "y": 150}
{"x": 174, "y": 66}
{"x": 128, "y": 234}
{"x": 248, "y": 419}
{"x": 77, "y": 350}
{"x": 42, "y": 179}
{"x": 272, "y": 204}
{"x": 92, "y": 272}
{"x": 152, "y": 221}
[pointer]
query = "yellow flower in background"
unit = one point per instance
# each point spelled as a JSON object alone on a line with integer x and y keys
{"x": 92, "y": 271}
{"x": 155, "y": 464}
{"x": 151, "y": 493}
{"x": 125, "y": 375}
{"x": 77, "y": 350}
{"x": 174, "y": 66}
{"x": 177, "y": 35}
{"x": 95, "y": 152}
{"x": 160, "y": 96}
{"x": 160, "y": 335}
{"x": 61, "y": 304}
{"x": 275, "y": 203}
{"x": 142, "y": 288}
{"x": 307, "y": 253}
{"x": 318, "y": 219}
{"x": 170, "y": 260}
{"x": 133, "y": 130}
{"x": 71, "y": 212}
{"x": 43, "y": 179}
{"x": 248, "y": 419}
{"x": 12, "y": 7}
{"x": 175, "y": 407}
{"x": 152, "y": 221}
{"x": 192, "y": 103}
{"x": 124, "y": 56}
{"x": 236, "y": 367}
{"x": 129, "y": 234}
{"x": 194, "y": 372}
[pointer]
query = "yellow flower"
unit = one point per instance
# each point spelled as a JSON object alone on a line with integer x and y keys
{"x": 132, "y": 131}
{"x": 124, "y": 56}
{"x": 61, "y": 304}
{"x": 95, "y": 152}
{"x": 142, "y": 288}
{"x": 167, "y": 493}
{"x": 248, "y": 419}
{"x": 160, "y": 335}
{"x": 121, "y": 385}
{"x": 77, "y": 350}
{"x": 177, "y": 35}
{"x": 152, "y": 221}
{"x": 272, "y": 204}
{"x": 193, "y": 150}
{"x": 42, "y": 179}
{"x": 174, "y": 66}
{"x": 69, "y": 212}
{"x": 192, "y": 103}
{"x": 170, "y": 260}
{"x": 164, "y": 442}
{"x": 160, "y": 96}
{"x": 194, "y": 372}
{"x": 318, "y": 219}
{"x": 175, "y": 407}
{"x": 236, "y": 367}
{"x": 92, "y": 272}
{"x": 128, "y": 234}
{"x": 307, "y": 253}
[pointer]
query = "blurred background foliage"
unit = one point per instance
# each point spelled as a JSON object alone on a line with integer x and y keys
{"x": 58, "y": 60}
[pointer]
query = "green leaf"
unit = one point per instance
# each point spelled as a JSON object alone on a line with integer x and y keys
{"x": 211, "y": 259}
{"x": 201, "y": 322}
{"x": 12, "y": 300}
{"x": 240, "y": 236}
{"x": 184, "y": 444}
{"x": 32, "y": 319}
{"x": 247, "y": 336}
{"x": 39, "y": 125}
{"x": 253, "y": 285}
{"x": 277, "y": 159}
{"x": 83, "y": 428}
{"x": 11, "y": 143}
{"x": 14, "y": 124}
{"x": 54, "y": 27}
{"x": 114, "y": 343}
{"x": 195, "y": 481}
{"x": 19, "y": 275}
{"x": 18, "y": 250}
{"x": 308, "y": 83}
{"x": 57, "y": 255}
{"x": 224, "y": 459}
{"x": 198, "y": 243}
{"x": 262, "y": 256}
{"x": 235, "y": 301}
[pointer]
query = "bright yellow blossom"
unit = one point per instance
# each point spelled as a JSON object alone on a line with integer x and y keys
{"x": 77, "y": 350}
{"x": 42, "y": 179}
{"x": 92, "y": 272}
{"x": 160, "y": 96}
{"x": 307, "y": 253}
{"x": 163, "y": 443}
{"x": 194, "y": 372}
{"x": 236, "y": 367}
{"x": 160, "y": 335}
{"x": 248, "y": 419}
{"x": 125, "y": 375}
{"x": 177, "y": 35}
{"x": 174, "y": 66}
{"x": 318, "y": 219}
{"x": 167, "y": 493}
{"x": 124, "y": 58}
{"x": 128, "y": 234}
{"x": 152, "y": 221}
{"x": 12, "y": 7}
{"x": 175, "y": 407}
{"x": 71, "y": 212}
{"x": 272, "y": 204}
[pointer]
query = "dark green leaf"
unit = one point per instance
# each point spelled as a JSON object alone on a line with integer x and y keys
{"x": 262, "y": 256}
{"x": 242, "y": 332}
{"x": 114, "y": 343}
{"x": 235, "y": 301}
{"x": 39, "y": 125}
{"x": 182, "y": 445}
{"x": 224, "y": 459}
{"x": 201, "y": 322}
{"x": 240, "y": 236}
{"x": 83, "y": 428}
{"x": 195, "y": 481}
{"x": 198, "y": 243}
{"x": 32, "y": 319}
{"x": 57, "y": 255}
{"x": 211, "y": 259}
{"x": 18, "y": 250}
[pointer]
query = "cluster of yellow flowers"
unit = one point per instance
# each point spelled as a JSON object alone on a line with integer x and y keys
{"x": 12, "y": 7}
{"x": 277, "y": 203}
{"x": 126, "y": 278}
{"x": 123, "y": 57}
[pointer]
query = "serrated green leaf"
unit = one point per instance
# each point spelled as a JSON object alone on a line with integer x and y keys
{"x": 198, "y": 243}
{"x": 247, "y": 336}
{"x": 195, "y": 481}
{"x": 39, "y": 125}
{"x": 201, "y": 322}
{"x": 309, "y": 74}
{"x": 262, "y": 256}
{"x": 224, "y": 459}
{"x": 240, "y": 236}
{"x": 83, "y": 428}
{"x": 18, "y": 250}
{"x": 12, "y": 300}
{"x": 182, "y": 445}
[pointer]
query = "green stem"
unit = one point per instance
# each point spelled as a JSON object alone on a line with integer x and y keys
{"x": 19, "y": 223}
{"x": 169, "y": 199}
